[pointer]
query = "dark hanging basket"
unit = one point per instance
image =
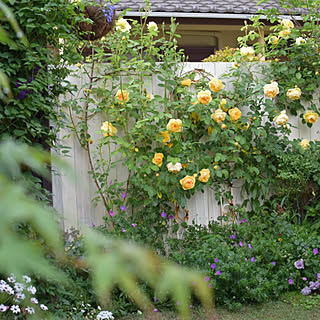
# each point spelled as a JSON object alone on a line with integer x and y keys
{"x": 103, "y": 19}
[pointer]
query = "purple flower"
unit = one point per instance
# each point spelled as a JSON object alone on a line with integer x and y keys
{"x": 218, "y": 273}
{"x": 207, "y": 279}
{"x": 253, "y": 259}
{"x": 245, "y": 259}
{"x": 233, "y": 236}
{"x": 124, "y": 195}
{"x": 123, "y": 230}
{"x": 304, "y": 279}
{"x": 210, "y": 286}
{"x": 191, "y": 306}
{"x": 290, "y": 281}
{"x": 306, "y": 291}
{"x": 274, "y": 263}
{"x": 315, "y": 251}
{"x": 213, "y": 266}
{"x": 123, "y": 208}
{"x": 163, "y": 214}
{"x": 234, "y": 244}
{"x": 318, "y": 276}
{"x": 314, "y": 285}
{"x": 110, "y": 183}
{"x": 170, "y": 217}
{"x": 155, "y": 299}
{"x": 133, "y": 225}
{"x": 299, "y": 264}
{"x": 216, "y": 260}
{"x": 178, "y": 303}
{"x": 92, "y": 225}
{"x": 155, "y": 310}
{"x": 240, "y": 244}
{"x": 111, "y": 213}
{"x": 243, "y": 221}
{"x": 249, "y": 245}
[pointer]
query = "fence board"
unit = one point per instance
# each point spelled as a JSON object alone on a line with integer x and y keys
{"x": 72, "y": 198}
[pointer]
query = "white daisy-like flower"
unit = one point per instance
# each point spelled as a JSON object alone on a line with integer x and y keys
{"x": 26, "y": 279}
{"x": 2, "y": 282}
{"x": 20, "y": 295}
{"x": 30, "y": 310}
{"x": 34, "y": 300}
{"x": 3, "y": 308}
{"x": 12, "y": 278}
{"x": 102, "y": 315}
{"x": 19, "y": 286}
{"x": 8, "y": 289}
{"x": 32, "y": 289}
{"x": 15, "y": 309}
{"x": 123, "y": 25}
{"x": 43, "y": 307}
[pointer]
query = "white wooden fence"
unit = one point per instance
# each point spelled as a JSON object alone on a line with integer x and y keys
{"x": 73, "y": 191}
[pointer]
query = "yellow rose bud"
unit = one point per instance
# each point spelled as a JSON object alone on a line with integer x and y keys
{"x": 271, "y": 89}
{"x": 215, "y": 85}
{"x": 294, "y": 94}
{"x": 166, "y": 137}
{"x": 218, "y": 116}
{"x": 204, "y": 97}
{"x": 174, "y": 125}
{"x": 157, "y": 159}
{"x": 79, "y": 65}
{"x": 235, "y": 114}
{"x": 224, "y": 126}
{"x": 210, "y": 129}
{"x": 310, "y": 116}
{"x": 186, "y": 82}
{"x": 304, "y": 144}
{"x": 317, "y": 73}
{"x": 85, "y": 89}
{"x": 90, "y": 91}
{"x": 280, "y": 239}
{"x": 204, "y": 175}
{"x": 109, "y": 129}
{"x": 188, "y": 182}
{"x": 236, "y": 143}
{"x": 195, "y": 117}
{"x": 157, "y": 174}
{"x": 274, "y": 40}
{"x": 216, "y": 167}
{"x": 276, "y": 60}
{"x": 136, "y": 149}
{"x": 184, "y": 165}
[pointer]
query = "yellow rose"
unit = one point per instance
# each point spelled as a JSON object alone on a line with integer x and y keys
{"x": 188, "y": 182}
{"x": 294, "y": 94}
{"x": 283, "y": 33}
{"x": 204, "y": 175}
{"x": 215, "y": 85}
{"x": 204, "y": 97}
{"x": 304, "y": 144}
{"x": 247, "y": 52}
{"x": 271, "y": 89}
{"x": 186, "y": 82}
{"x": 310, "y": 116}
{"x": 122, "y": 95}
{"x": 287, "y": 23}
{"x": 109, "y": 129}
{"x": 123, "y": 25}
{"x": 174, "y": 125}
{"x": 218, "y": 116}
{"x": 235, "y": 114}
{"x": 149, "y": 96}
{"x": 274, "y": 40}
{"x": 166, "y": 137}
{"x": 152, "y": 26}
{"x": 157, "y": 159}
{"x": 281, "y": 118}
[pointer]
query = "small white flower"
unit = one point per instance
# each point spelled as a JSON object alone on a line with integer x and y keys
{"x": 174, "y": 167}
{"x": 43, "y": 307}
{"x": 20, "y": 295}
{"x": 102, "y": 315}
{"x": 26, "y": 279}
{"x": 300, "y": 40}
{"x": 15, "y": 309}
{"x": 123, "y": 25}
{"x": 2, "y": 282}
{"x": 152, "y": 26}
{"x": 281, "y": 119}
{"x": 30, "y": 310}
{"x": 12, "y": 278}
{"x": 8, "y": 289}
{"x": 32, "y": 289}
{"x": 3, "y": 308}
{"x": 19, "y": 287}
{"x": 34, "y": 300}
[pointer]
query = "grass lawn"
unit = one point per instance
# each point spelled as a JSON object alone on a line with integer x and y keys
{"x": 290, "y": 308}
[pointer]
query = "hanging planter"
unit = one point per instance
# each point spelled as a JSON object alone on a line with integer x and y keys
{"x": 103, "y": 19}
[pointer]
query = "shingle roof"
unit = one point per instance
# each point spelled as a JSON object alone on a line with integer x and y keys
{"x": 200, "y": 6}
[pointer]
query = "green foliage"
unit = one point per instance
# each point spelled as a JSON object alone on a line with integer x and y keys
{"x": 37, "y": 70}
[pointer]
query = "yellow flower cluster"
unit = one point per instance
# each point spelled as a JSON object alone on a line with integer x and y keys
{"x": 108, "y": 128}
